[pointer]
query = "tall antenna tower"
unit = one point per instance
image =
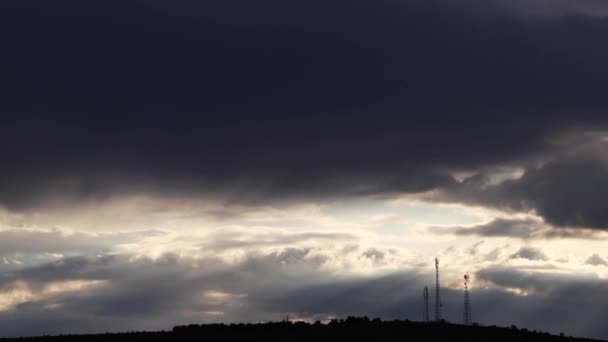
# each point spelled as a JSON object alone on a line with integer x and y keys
{"x": 426, "y": 303}
{"x": 467, "y": 303}
{"x": 438, "y": 305}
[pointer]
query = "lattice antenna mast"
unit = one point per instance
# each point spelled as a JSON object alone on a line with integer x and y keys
{"x": 438, "y": 304}
{"x": 426, "y": 303}
{"x": 467, "y": 302}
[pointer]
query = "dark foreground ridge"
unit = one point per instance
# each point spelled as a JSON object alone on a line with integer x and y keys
{"x": 352, "y": 328}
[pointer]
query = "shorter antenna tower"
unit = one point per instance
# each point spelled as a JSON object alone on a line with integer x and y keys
{"x": 467, "y": 302}
{"x": 426, "y": 303}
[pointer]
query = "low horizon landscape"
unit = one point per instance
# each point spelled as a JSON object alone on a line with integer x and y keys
{"x": 352, "y": 328}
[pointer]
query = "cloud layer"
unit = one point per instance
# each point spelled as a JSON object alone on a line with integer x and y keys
{"x": 138, "y": 293}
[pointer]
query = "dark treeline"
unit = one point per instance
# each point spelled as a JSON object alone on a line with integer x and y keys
{"x": 352, "y": 328}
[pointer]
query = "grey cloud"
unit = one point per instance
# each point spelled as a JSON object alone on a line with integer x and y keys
{"x": 596, "y": 260}
{"x": 539, "y": 283}
{"x": 529, "y": 253}
{"x": 226, "y": 241}
{"x": 25, "y": 246}
{"x": 377, "y": 256}
{"x": 516, "y": 228}
{"x": 475, "y": 248}
{"x": 563, "y": 301}
{"x": 574, "y": 233}
{"x": 142, "y": 292}
{"x": 494, "y": 254}
{"x": 496, "y": 228}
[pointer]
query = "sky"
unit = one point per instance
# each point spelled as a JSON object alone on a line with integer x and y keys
{"x": 166, "y": 163}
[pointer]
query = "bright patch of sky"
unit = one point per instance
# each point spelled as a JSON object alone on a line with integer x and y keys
{"x": 364, "y": 235}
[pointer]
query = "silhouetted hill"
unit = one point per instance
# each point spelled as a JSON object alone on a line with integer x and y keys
{"x": 349, "y": 329}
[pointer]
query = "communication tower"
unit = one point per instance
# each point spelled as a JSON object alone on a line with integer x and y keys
{"x": 426, "y": 303}
{"x": 467, "y": 302}
{"x": 438, "y": 304}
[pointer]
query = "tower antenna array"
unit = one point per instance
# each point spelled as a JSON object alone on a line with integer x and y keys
{"x": 426, "y": 303}
{"x": 467, "y": 302}
{"x": 438, "y": 305}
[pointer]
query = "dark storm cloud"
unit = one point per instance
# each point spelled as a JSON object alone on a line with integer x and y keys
{"x": 285, "y": 100}
{"x": 566, "y": 192}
